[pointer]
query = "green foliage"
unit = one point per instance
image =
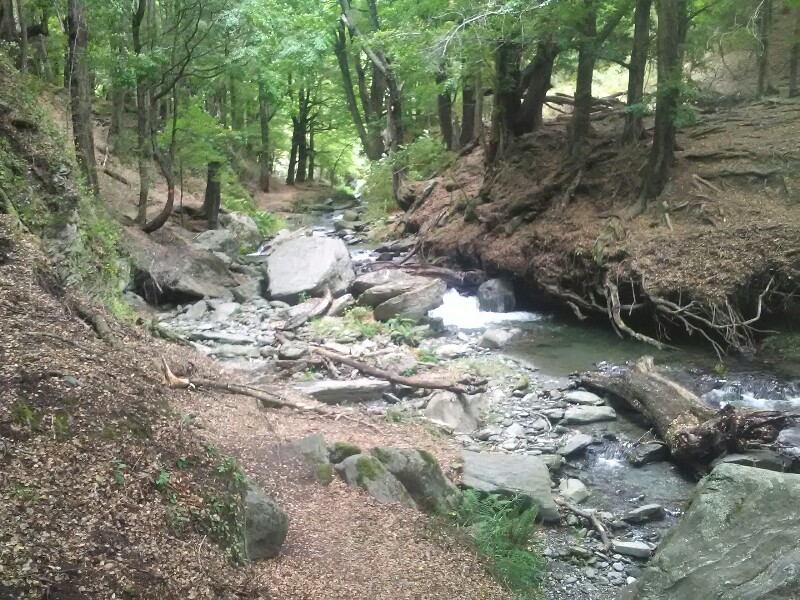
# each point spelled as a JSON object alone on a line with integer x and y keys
{"x": 342, "y": 450}
{"x": 268, "y": 223}
{"x": 118, "y": 471}
{"x": 504, "y": 532}
{"x": 25, "y": 415}
{"x": 377, "y": 194}
{"x": 403, "y": 331}
{"x": 395, "y": 414}
{"x": 426, "y": 356}
{"x": 427, "y": 156}
{"x": 368, "y": 469}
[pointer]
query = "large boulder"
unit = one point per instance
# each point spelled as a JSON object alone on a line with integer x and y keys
{"x": 379, "y": 294}
{"x": 308, "y": 265}
{"x": 174, "y": 272}
{"x": 217, "y": 240}
{"x": 738, "y": 539}
{"x": 367, "y": 472}
{"x": 346, "y": 392}
{"x": 312, "y": 456}
{"x": 496, "y": 295}
{"x": 266, "y": 525}
{"x": 460, "y": 413}
{"x": 244, "y": 228}
{"x": 420, "y": 474}
{"x": 414, "y": 304}
{"x": 514, "y": 474}
{"x": 375, "y": 278}
{"x": 581, "y": 415}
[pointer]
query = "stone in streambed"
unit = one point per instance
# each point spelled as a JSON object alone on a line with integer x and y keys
{"x": 292, "y": 350}
{"x": 526, "y": 476}
{"x": 340, "y": 305}
{"x": 350, "y": 391}
{"x": 495, "y": 338}
{"x": 221, "y": 337}
{"x": 648, "y": 453}
{"x": 644, "y": 514}
{"x": 378, "y": 294}
{"x": 459, "y": 413}
{"x": 496, "y": 295}
{"x": 578, "y": 415}
{"x": 414, "y": 304}
{"x": 573, "y": 490}
{"x": 575, "y": 444}
{"x": 585, "y": 398}
{"x": 309, "y": 265}
{"x": 635, "y": 549}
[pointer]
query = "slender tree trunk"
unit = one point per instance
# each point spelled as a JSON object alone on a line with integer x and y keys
{"x": 468, "y": 110}
{"x": 581, "y": 123}
{"x": 764, "y": 24}
{"x": 80, "y": 93}
{"x": 213, "y": 195}
{"x": 311, "y": 153}
{"x": 46, "y": 71}
{"x": 536, "y": 80}
{"x": 638, "y": 66}
{"x": 794, "y": 61}
{"x": 237, "y": 115}
{"x": 118, "y": 96}
{"x": 302, "y": 136}
{"x": 671, "y": 24}
{"x": 165, "y": 163}
{"x": 8, "y": 26}
{"x": 143, "y": 147}
{"x": 290, "y": 174}
{"x": 23, "y": 37}
{"x": 265, "y": 166}
{"x": 445, "y": 109}
{"x": 222, "y": 104}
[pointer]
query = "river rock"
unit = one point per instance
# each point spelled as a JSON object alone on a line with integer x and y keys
{"x": 266, "y": 525}
{"x": 386, "y": 291}
{"x": 460, "y": 414}
{"x": 348, "y": 391}
{"x": 397, "y": 362}
{"x": 374, "y": 278}
{"x": 414, "y": 304}
{"x": 573, "y": 490}
{"x": 247, "y": 291}
{"x": 644, "y": 514}
{"x": 495, "y": 338}
{"x": 515, "y": 430}
{"x": 553, "y": 461}
{"x": 367, "y": 472}
{"x": 244, "y": 228}
{"x": 737, "y": 539}
{"x": 308, "y": 265}
{"x": 340, "y": 305}
{"x": 575, "y": 444}
{"x": 513, "y": 474}
{"x": 169, "y": 271}
{"x": 647, "y": 453}
{"x": 217, "y": 240}
{"x": 292, "y": 350}
{"x": 421, "y": 475}
{"x": 496, "y": 295}
{"x": 585, "y": 398}
{"x": 222, "y": 337}
{"x": 312, "y": 455}
{"x": 635, "y": 549}
{"x": 196, "y": 311}
{"x": 762, "y": 458}
{"x": 578, "y": 415}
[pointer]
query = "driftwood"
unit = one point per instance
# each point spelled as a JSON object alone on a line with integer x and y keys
{"x": 472, "y": 387}
{"x": 267, "y": 399}
{"x": 694, "y": 433}
{"x": 592, "y": 518}
{"x": 459, "y": 279}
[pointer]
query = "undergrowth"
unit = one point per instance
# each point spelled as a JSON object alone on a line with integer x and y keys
{"x": 502, "y": 530}
{"x": 268, "y": 223}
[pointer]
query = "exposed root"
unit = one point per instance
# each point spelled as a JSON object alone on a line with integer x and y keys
{"x": 614, "y": 311}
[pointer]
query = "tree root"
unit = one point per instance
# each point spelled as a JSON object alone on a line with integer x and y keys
{"x": 96, "y": 320}
{"x": 267, "y": 399}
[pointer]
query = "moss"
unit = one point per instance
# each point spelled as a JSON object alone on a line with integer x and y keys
{"x": 341, "y": 450}
{"x": 429, "y": 458}
{"x": 368, "y": 469}
{"x": 324, "y": 473}
{"x": 381, "y": 454}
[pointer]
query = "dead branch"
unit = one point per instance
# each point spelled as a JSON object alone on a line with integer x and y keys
{"x": 572, "y": 187}
{"x": 698, "y": 179}
{"x": 116, "y": 176}
{"x": 96, "y": 320}
{"x": 415, "y": 382}
{"x": 592, "y": 518}
{"x": 744, "y": 172}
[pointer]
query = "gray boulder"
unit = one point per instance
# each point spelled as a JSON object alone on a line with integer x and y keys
{"x": 292, "y": 350}
{"x": 420, "y": 474}
{"x": 349, "y": 391}
{"x": 247, "y": 291}
{"x": 386, "y": 291}
{"x": 266, "y": 525}
{"x": 309, "y": 265}
{"x": 374, "y": 278}
{"x": 496, "y": 295}
{"x": 217, "y": 240}
{"x": 367, "y": 472}
{"x": 461, "y": 414}
{"x": 513, "y": 474}
{"x": 737, "y": 539}
{"x": 648, "y": 452}
{"x": 573, "y": 490}
{"x": 496, "y": 337}
{"x": 575, "y": 444}
{"x": 414, "y": 304}
{"x": 340, "y": 305}
{"x": 579, "y": 415}
{"x": 585, "y": 398}
{"x": 314, "y": 457}
{"x": 244, "y": 228}
{"x": 644, "y": 514}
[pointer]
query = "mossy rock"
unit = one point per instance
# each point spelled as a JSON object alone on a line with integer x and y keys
{"x": 368, "y": 473}
{"x": 342, "y": 450}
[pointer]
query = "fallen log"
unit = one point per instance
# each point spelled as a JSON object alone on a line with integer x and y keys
{"x": 415, "y": 382}
{"x": 695, "y": 433}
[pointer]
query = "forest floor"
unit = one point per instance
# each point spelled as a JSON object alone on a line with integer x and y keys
{"x": 731, "y": 230}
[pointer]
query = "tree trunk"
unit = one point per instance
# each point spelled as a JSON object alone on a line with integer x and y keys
{"x": 396, "y": 140}
{"x": 468, "y": 110}
{"x": 506, "y": 98}
{"x": 311, "y": 153}
{"x": 46, "y": 71}
{"x": 23, "y": 37}
{"x": 143, "y": 149}
{"x": 265, "y": 166}
{"x": 165, "y": 164}
{"x": 118, "y": 96}
{"x": 671, "y": 24}
{"x": 794, "y": 61}
{"x": 8, "y": 26}
{"x": 581, "y": 124}
{"x": 695, "y": 433}
{"x": 237, "y": 114}
{"x": 638, "y": 66}
{"x": 81, "y": 94}
{"x": 302, "y": 136}
{"x": 764, "y": 24}
{"x": 290, "y": 174}
{"x": 445, "y": 109}
{"x": 536, "y": 80}
{"x": 213, "y": 195}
